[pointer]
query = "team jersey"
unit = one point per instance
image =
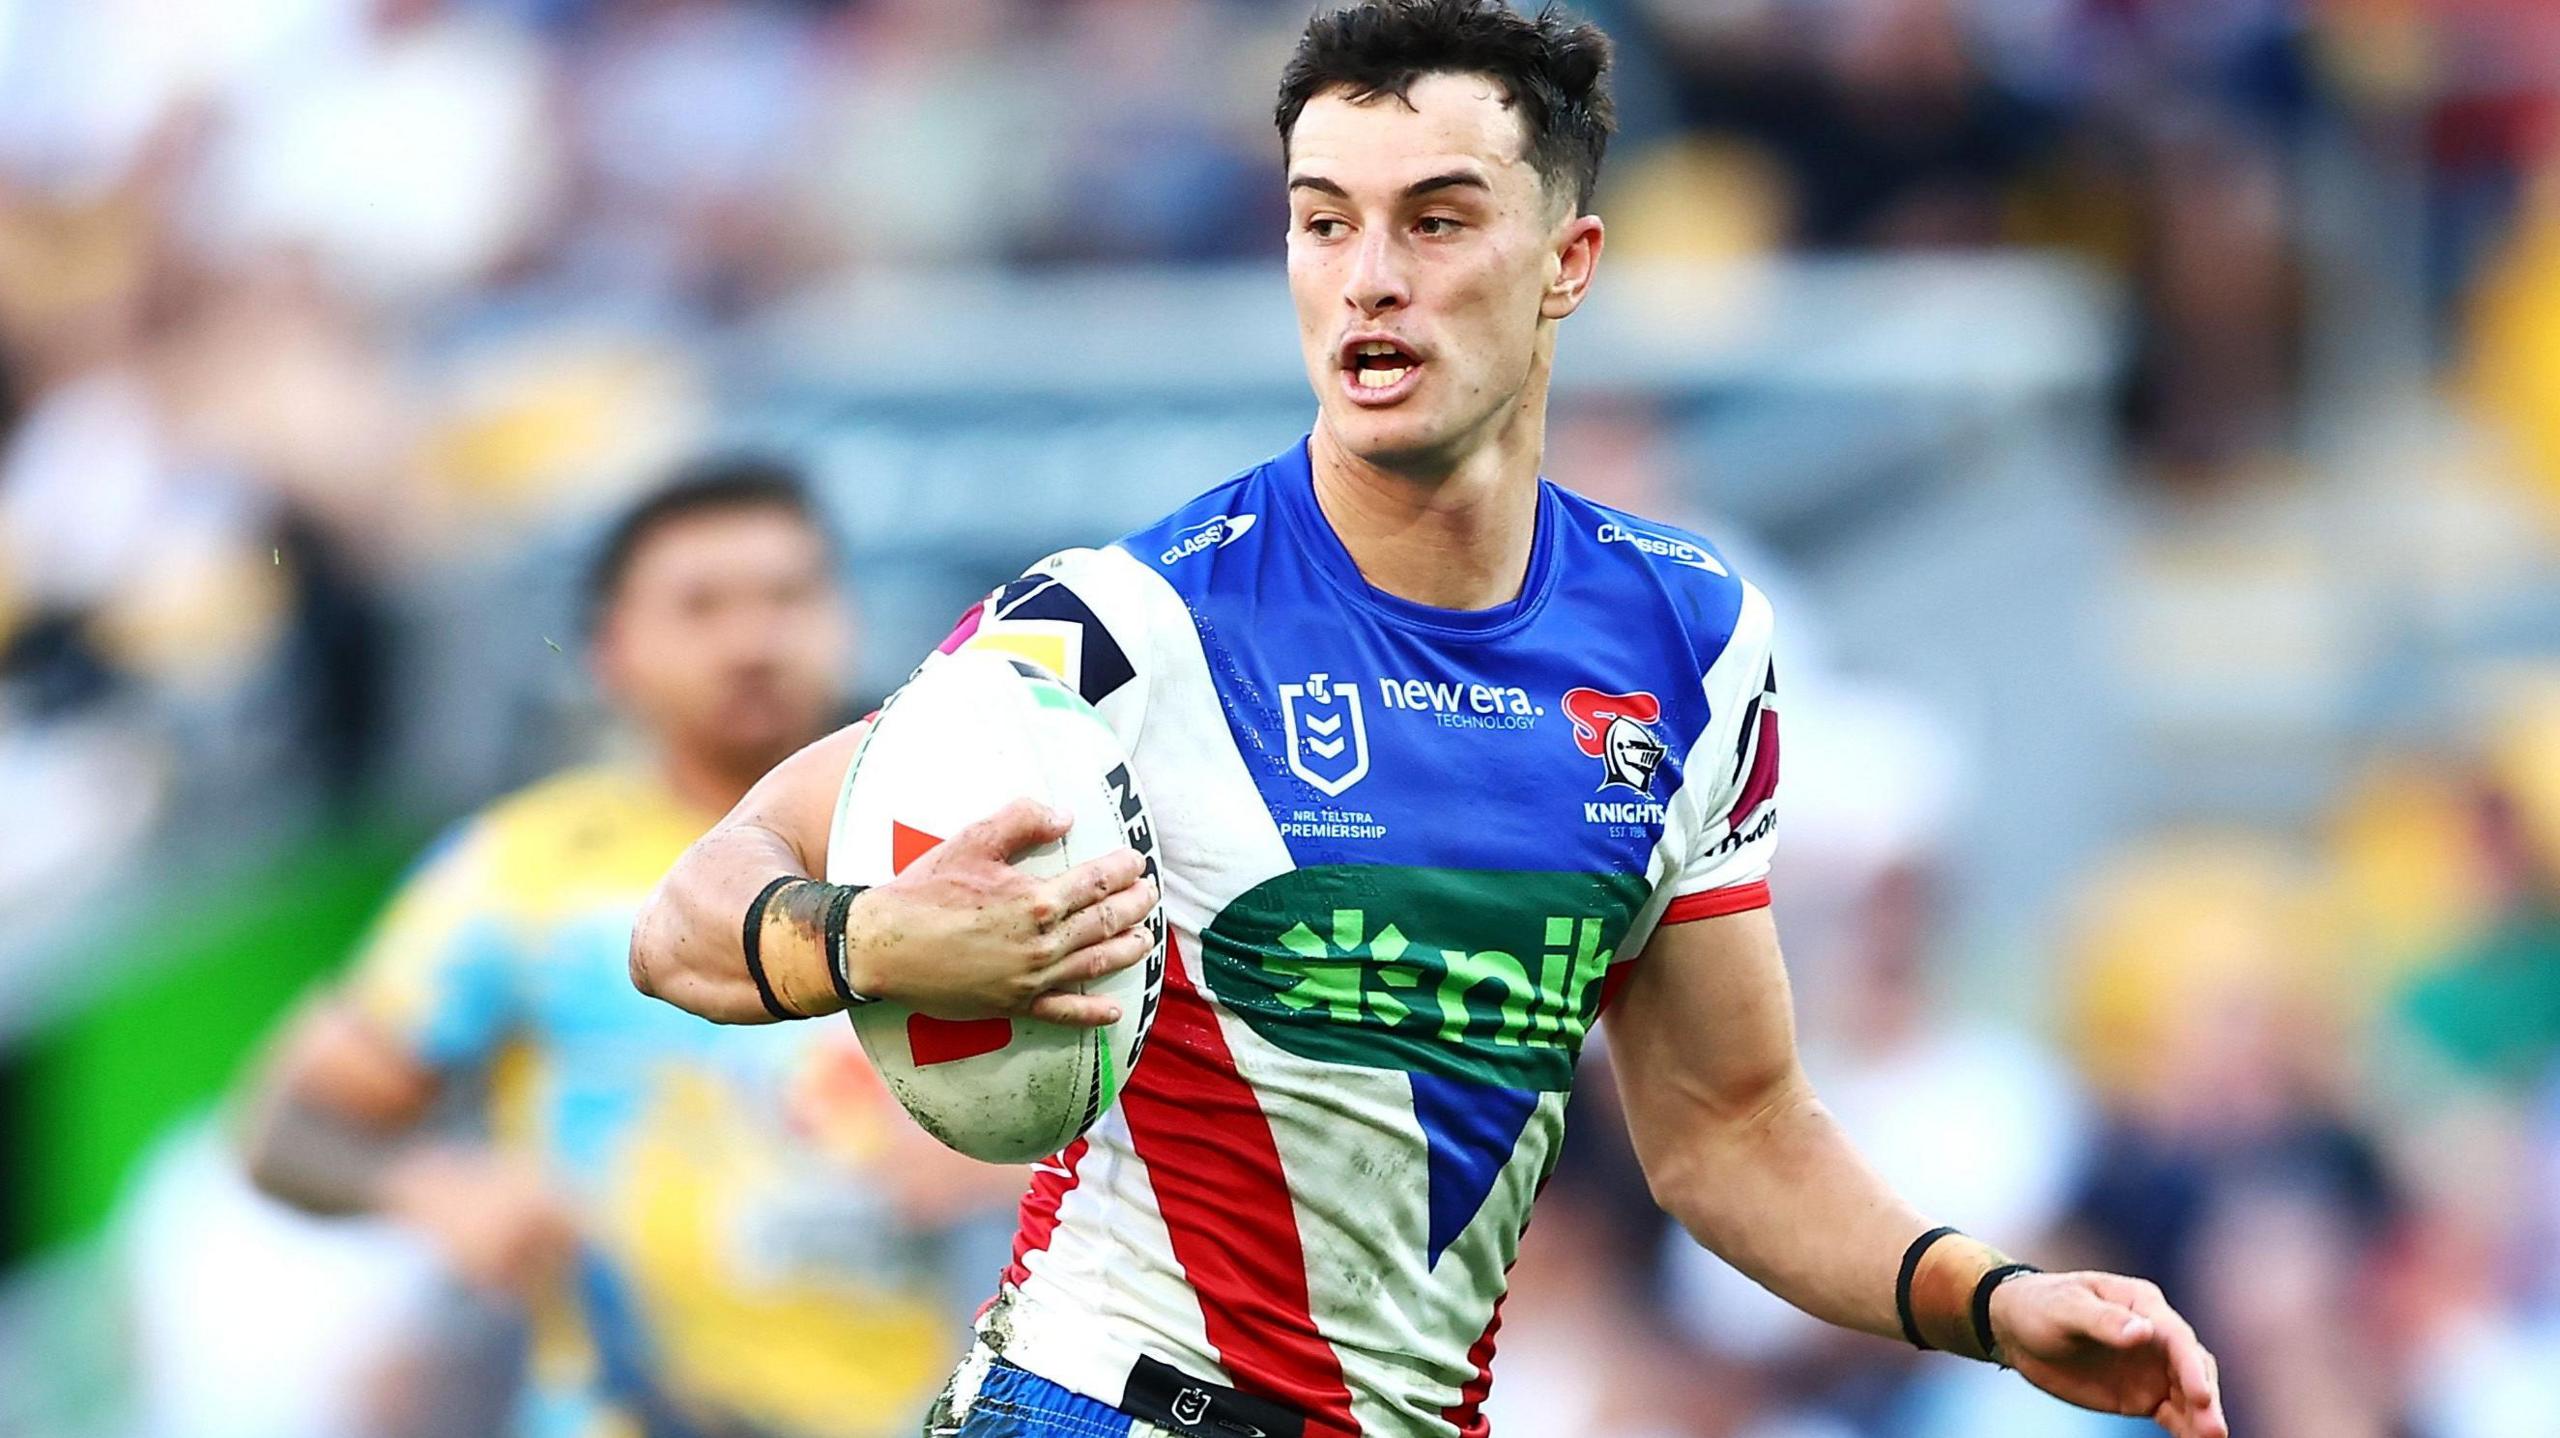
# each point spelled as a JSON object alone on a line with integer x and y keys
{"x": 740, "y": 1256}
{"x": 1408, "y": 857}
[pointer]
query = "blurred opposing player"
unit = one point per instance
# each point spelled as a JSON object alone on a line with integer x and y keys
{"x": 1446, "y": 762}
{"x": 716, "y": 1231}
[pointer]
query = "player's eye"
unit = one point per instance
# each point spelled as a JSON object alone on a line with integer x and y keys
{"x": 1325, "y": 227}
{"x": 1439, "y": 226}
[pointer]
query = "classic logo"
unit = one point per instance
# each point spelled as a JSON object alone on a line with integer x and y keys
{"x": 1617, "y": 730}
{"x": 1660, "y": 546}
{"x": 1483, "y": 975}
{"x": 1328, "y": 742}
{"x": 1190, "y": 1406}
{"x": 1216, "y": 532}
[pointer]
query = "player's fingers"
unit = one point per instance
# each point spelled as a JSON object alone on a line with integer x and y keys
{"x": 1089, "y": 883}
{"x": 1076, "y": 1011}
{"x": 2199, "y": 1388}
{"x": 1099, "y": 960}
{"x": 2085, "y": 1313}
{"x": 1095, "y": 922}
{"x": 1022, "y": 824}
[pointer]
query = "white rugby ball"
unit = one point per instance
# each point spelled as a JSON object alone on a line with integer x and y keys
{"x": 970, "y": 733}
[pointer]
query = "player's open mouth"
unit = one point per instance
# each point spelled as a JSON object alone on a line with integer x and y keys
{"x": 1378, "y": 370}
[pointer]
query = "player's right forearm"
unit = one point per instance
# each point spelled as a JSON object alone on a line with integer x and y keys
{"x": 316, "y": 1159}
{"x": 689, "y": 944}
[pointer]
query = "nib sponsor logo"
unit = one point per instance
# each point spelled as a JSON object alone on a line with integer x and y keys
{"x": 1491, "y": 977}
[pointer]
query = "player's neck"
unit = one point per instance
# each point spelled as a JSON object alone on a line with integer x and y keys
{"x": 1458, "y": 537}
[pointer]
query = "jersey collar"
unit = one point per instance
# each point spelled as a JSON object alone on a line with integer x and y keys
{"x": 1294, "y": 476}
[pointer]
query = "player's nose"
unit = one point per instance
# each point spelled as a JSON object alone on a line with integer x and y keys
{"x": 1377, "y": 281}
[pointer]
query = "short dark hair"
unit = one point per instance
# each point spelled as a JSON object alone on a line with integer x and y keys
{"x": 718, "y": 484}
{"x": 1553, "y": 69}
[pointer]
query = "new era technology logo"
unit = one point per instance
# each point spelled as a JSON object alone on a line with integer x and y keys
{"x": 1328, "y": 743}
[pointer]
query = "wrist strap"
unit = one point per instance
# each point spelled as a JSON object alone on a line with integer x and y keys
{"x": 754, "y": 944}
{"x": 1982, "y": 1306}
{"x": 840, "y": 899}
{"x": 1902, "y": 1285}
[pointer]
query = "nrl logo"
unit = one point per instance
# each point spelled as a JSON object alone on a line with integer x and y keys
{"x": 1617, "y": 730}
{"x": 1328, "y": 743}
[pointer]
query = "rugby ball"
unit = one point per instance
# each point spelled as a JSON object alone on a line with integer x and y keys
{"x": 970, "y": 733}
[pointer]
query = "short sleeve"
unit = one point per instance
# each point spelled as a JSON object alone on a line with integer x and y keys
{"x": 436, "y": 972}
{"x": 1736, "y": 760}
{"x": 1079, "y": 615}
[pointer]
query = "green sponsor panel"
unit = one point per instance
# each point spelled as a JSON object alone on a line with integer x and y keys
{"x": 1480, "y": 974}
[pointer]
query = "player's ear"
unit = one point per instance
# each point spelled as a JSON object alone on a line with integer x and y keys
{"x": 1571, "y": 263}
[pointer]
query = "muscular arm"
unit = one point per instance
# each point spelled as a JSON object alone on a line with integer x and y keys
{"x": 1736, "y": 1147}
{"x": 687, "y": 946}
{"x": 959, "y": 934}
{"x": 1734, "y": 1143}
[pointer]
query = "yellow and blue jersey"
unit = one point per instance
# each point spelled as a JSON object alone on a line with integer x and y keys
{"x": 736, "y": 1261}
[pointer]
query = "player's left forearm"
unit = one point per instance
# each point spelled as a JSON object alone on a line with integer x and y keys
{"x": 1777, "y": 1189}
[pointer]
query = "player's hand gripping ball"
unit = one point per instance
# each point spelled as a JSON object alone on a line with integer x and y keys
{"x": 971, "y": 733}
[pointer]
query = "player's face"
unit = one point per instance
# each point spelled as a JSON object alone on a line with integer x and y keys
{"x": 1427, "y": 260}
{"x": 728, "y": 637}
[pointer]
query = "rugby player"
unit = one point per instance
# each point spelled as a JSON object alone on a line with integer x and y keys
{"x": 715, "y": 1231}
{"x": 1446, "y": 764}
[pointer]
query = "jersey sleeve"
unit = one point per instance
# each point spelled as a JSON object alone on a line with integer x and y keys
{"x": 1736, "y": 763}
{"x": 1078, "y": 615}
{"x": 437, "y": 971}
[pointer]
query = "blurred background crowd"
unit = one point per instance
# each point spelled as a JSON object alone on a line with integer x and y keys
{"x": 2145, "y": 414}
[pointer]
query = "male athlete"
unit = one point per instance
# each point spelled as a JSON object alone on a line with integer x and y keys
{"x": 709, "y": 1226}
{"x": 1447, "y": 764}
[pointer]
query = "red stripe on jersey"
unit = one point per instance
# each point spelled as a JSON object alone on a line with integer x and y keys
{"x": 1225, "y": 1201}
{"x": 1763, "y": 782}
{"x": 1716, "y": 903}
{"x": 1051, "y": 1180}
{"x": 1467, "y": 1414}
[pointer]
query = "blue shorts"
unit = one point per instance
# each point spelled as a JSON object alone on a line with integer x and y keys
{"x": 1012, "y": 1403}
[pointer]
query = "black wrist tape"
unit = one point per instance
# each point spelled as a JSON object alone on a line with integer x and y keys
{"x": 1982, "y": 1305}
{"x": 1902, "y": 1286}
{"x": 840, "y": 899}
{"x": 754, "y": 943}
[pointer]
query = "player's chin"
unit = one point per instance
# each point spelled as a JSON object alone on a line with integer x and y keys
{"x": 765, "y": 728}
{"x": 1407, "y": 436}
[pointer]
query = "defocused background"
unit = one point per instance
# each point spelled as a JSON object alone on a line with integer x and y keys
{"x": 2144, "y": 413}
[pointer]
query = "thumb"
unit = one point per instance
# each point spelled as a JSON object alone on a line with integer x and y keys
{"x": 1022, "y": 824}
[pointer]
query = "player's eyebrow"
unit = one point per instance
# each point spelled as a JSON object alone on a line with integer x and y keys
{"x": 1449, "y": 180}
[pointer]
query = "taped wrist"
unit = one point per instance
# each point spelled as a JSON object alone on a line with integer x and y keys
{"x": 752, "y": 940}
{"x": 1942, "y": 1293}
{"x": 815, "y": 904}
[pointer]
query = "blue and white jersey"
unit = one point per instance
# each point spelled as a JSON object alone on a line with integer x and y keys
{"x": 1409, "y": 854}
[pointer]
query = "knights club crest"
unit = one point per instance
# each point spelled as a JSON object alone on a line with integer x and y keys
{"x": 1328, "y": 743}
{"x": 1617, "y": 730}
